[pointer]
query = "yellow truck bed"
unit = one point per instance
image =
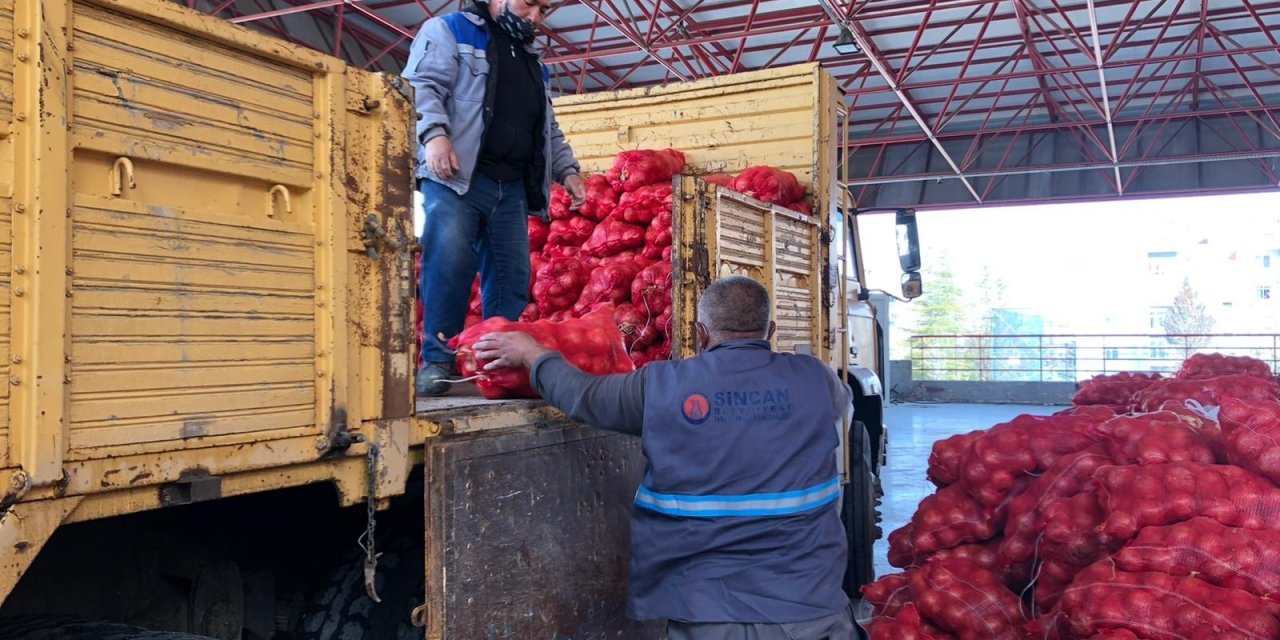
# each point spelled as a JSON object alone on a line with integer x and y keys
{"x": 205, "y": 282}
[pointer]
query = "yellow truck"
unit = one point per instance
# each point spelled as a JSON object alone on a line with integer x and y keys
{"x": 207, "y": 426}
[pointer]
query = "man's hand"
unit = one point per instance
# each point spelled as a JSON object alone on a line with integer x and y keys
{"x": 510, "y": 349}
{"x": 441, "y": 159}
{"x": 573, "y": 184}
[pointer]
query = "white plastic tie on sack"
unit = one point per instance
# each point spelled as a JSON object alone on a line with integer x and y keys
{"x": 1208, "y": 412}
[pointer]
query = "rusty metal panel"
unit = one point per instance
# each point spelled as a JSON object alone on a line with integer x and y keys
{"x": 528, "y": 534}
{"x": 6, "y": 218}
{"x": 723, "y": 233}
{"x": 6, "y": 61}
{"x": 148, "y": 90}
{"x": 6, "y": 315}
{"x": 379, "y": 183}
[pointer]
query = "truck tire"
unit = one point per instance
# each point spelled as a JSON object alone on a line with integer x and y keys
{"x": 860, "y": 512}
{"x": 341, "y": 610}
{"x": 58, "y": 628}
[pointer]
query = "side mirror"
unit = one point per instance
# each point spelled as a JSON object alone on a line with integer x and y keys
{"x": 908, "y": 240}
{"x": 912, "y": 285}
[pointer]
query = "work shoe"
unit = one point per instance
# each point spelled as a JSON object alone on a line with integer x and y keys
{"x": 432, "y": 379}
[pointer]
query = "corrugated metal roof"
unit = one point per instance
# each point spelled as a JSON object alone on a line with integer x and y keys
{"x": 953, "y": 101}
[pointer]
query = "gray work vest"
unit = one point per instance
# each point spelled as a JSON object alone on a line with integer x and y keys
{"x": 737, "y": 519}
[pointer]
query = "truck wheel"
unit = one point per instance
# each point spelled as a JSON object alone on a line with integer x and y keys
{"x": 342, "y": 610}
{"x": 860, "y": 513}
{"x": 57, "y": 628}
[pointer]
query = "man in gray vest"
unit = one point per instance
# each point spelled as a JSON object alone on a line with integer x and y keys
{"x": 736, "y": 532}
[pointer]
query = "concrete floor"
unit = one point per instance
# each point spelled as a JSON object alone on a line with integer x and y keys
{"x": 913, "y": 428}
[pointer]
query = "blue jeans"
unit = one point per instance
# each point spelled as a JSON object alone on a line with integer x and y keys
{"x": 485, "y": 228}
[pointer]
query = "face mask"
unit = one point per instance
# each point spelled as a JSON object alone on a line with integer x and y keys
{"x": 520, "y": 29}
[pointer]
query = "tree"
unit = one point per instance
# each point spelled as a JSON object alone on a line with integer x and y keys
{"x": 942, "y": 311}
{"x": 1187, "y": 316}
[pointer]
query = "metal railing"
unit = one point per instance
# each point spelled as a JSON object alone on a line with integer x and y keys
{"x": 1073, "y": 357}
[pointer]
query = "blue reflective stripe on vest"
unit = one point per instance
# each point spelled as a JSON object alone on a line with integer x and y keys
{"x": 754, "y": 504}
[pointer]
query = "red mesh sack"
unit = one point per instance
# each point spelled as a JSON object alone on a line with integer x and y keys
{"x": 601, "y": 198}
{"x": 1224, "y": 556}
{"x": 609, "y": 284}
{"x": 998, "y": 458}
{"x": 571, "y": 232}
{"x": 719, "y": 179}
{"x": 967, "y": 600}
{"x": 1101, "y": 412}
{"x": 1251, "y": 435}
{"x": 653, "y": 353}
{"x": 947, "y": 457}
{"x": 769, "y": 184}
{"x": 554, "y": 251}
{"x": 1052, "y": 579}
{"x": 614, "y": 236}
{"x": 475, "y": 306}
{"x": 536, "y": 262}
{"x": 664, "y": 322}
{"x": 643, "y": 205}
{"x": 651, "y": 290}
{"x": 639, "y": 331}
{"x": 908, "y": 624}
{"x": 591, "y": 343}
{"x": 946, "y": 519}
{"x": 634, "y": 169}
{"x": 1067, "y": 477}
{"x": 1157, "y": 605}
{"x": 1143, "y": 496}
{"x": 1117, "y": 389}
{"x": 985, "y": 555}
{"x": 888, "y": 594}
{"x": 1212, "y": 365}
{"x": 559, "y": 285}
{"x": 1114, "y": 634}
{"x": 1206, "y": 391}
{"x": 666, "y": 254}
{"x": 539, "y": 229}
{"x": 1157, "y": 438}
{"x": 658, "y": 236}
{"x": 1070, "y": 528}
{"x": 531, "y": 313}
{"x": 801, "y": 206}
{"x": 558, "y": 208}
{"x": 1055, "y": 437}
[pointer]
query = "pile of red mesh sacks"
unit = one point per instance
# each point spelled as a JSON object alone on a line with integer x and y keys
{"x": 615, "y": 251}
{"x": 1128, "y": 516}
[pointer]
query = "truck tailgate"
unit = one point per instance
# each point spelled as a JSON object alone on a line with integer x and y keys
{"x": 528, "y": 534}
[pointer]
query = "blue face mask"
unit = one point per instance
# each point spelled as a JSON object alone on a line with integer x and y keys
{"x": 520, "y": 29}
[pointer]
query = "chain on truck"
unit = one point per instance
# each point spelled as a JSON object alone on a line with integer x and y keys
{"x": 209, "y": 427}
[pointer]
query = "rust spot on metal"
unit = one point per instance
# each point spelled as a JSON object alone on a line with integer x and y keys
{"x": 195, "y": 427}
{"x": 22, "y": 547}
{"x": 397, "y": 400}
{"x": 165, "y": 121}
{"x": 140, "y": 477}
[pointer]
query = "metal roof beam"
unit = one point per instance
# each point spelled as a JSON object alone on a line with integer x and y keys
{"x": 873, "y": 56}
{"x": 1224, "y": 156}
{"x": 1102, "y": 85}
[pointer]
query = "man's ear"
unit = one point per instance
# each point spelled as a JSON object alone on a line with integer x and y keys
{"x": 704, "y": 336}
{"x": 773, "y": 328}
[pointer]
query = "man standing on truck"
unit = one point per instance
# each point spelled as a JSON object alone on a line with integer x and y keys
{"x": 490, "y": 147}
{"x": 736, "y": 532}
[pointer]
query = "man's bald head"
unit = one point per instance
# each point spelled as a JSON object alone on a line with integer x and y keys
{"x": 735, "y": 308}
